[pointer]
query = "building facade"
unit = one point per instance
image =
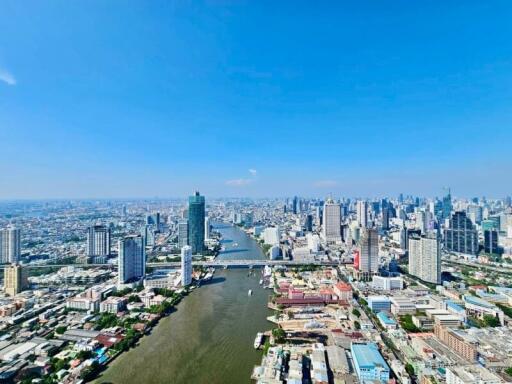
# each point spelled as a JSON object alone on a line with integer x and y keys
{"x": 132, "y": 259}
{"x": 196, "y": 215}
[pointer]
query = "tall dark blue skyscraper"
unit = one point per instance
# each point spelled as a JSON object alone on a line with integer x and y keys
{"x": 196, "y": 214}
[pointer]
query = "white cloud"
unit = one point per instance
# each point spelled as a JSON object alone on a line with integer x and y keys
{"x": 243, "y": 181}
{"x": 7, "y": 77}
{"x": 325, "y": 183}
{"x": 238, "y": 182}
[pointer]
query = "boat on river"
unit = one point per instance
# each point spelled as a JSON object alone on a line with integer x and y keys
{"x": 258, "y": 340}
{"x": 249, "y": 293}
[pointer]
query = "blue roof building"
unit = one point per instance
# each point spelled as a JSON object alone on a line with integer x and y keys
{"x": 369, "y": 363}
{"x": 386, "y": 321}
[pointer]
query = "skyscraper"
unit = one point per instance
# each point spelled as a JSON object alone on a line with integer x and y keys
{"x": 385, "y": 218}
{"x": 295, "y": 205}
{"x": 369, "y": 251}
{"x": 10, "y": 245}
{"x": 460, "y": 235}
{"x": 132, "y": 259}
{"x": 425, "y": 257}
{"x": 331, "y": 228}
{"x": 98, "y": 241}
{"x": 186, "y": 265}
{"x": 196, "y": 214}
{"x": 447, "y": 205}
{"x": 15, "y": 279}
{"x": 308, "y": 224}
{"x": 362, "y": 213}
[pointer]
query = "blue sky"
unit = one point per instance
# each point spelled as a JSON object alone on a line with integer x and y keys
{"x": 260, "y": 98}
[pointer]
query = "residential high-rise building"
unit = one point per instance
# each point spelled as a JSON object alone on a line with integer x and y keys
{"x": 182, "y": 233}
{"x": 15, "y": 280}
{"x": 207, "y": 227}
{"x": 98, "y": 241}
{"x": 460, "y": 234}
{"x": 196, "y": 215}
{"x": 186, "y": 265}
{"x": 272, "y": 236}
{"x": 331, "y": 228}
{"x": 425, "y": 257}
{"x": 10, "y": 245}
{"x": 369, "y": 251}
{"x": 132, "y": 259}
{"x": 362, "y": 213}
{"x": 421, "y": 220}
{"x": 148, "y": 232}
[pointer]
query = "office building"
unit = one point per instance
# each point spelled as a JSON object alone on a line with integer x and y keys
{"x": 15, "y": 280}
{"x": 186, "y": 265}
{"x": 10, "y": 245}
{"x": 460, "y": 234}
{"x": 362, "y": 213}
{"x": 331, "y": 228}
{"x": 385, "y": 218}
{"x": 154, "y": 219}
{"x": 308, "y": 223}
{"x": 98, "y": 241}
{"x": 132, "y": 259}
{"x": 379, "y": 303}
{"x": 491, "y": 241}
{"x": 182, "y": 233}
{"x": 369, "y": 251}
{"x": 368, "y": 363}
{"x": 196, "y": 215}
{"x": 425, "y": 258}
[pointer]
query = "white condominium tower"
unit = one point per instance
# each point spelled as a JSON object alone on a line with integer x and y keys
{"x": 186, "y": 265}
{"x": 331, "y": 226}
{"x": 132, "y": 259}
{"x": 10, "y": 245}
{"x": 425, "y": 258}
{"x": 98, "y": 240}
{"x": 362, "y": 213}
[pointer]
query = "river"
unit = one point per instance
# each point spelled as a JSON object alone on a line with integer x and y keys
{"x": 209, "y": 339}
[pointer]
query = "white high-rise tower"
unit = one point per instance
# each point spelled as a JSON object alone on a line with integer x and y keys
{"x": 186, "y": 265}
{"x": 331, "y": 226}
{"x": 10, "y": 245}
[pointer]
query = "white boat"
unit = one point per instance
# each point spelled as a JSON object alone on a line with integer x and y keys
{"x": 258, "y": 340}
{"x": 261, "y": 281}
{"x": 250, "y": 292}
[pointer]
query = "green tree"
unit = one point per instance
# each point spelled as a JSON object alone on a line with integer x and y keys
{"x": 61, "y": 329}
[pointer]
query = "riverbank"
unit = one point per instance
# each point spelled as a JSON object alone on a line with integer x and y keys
{"x": 210, "y": 336}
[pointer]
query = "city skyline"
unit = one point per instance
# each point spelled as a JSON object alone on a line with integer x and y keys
{"x": 350, "y": 99}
